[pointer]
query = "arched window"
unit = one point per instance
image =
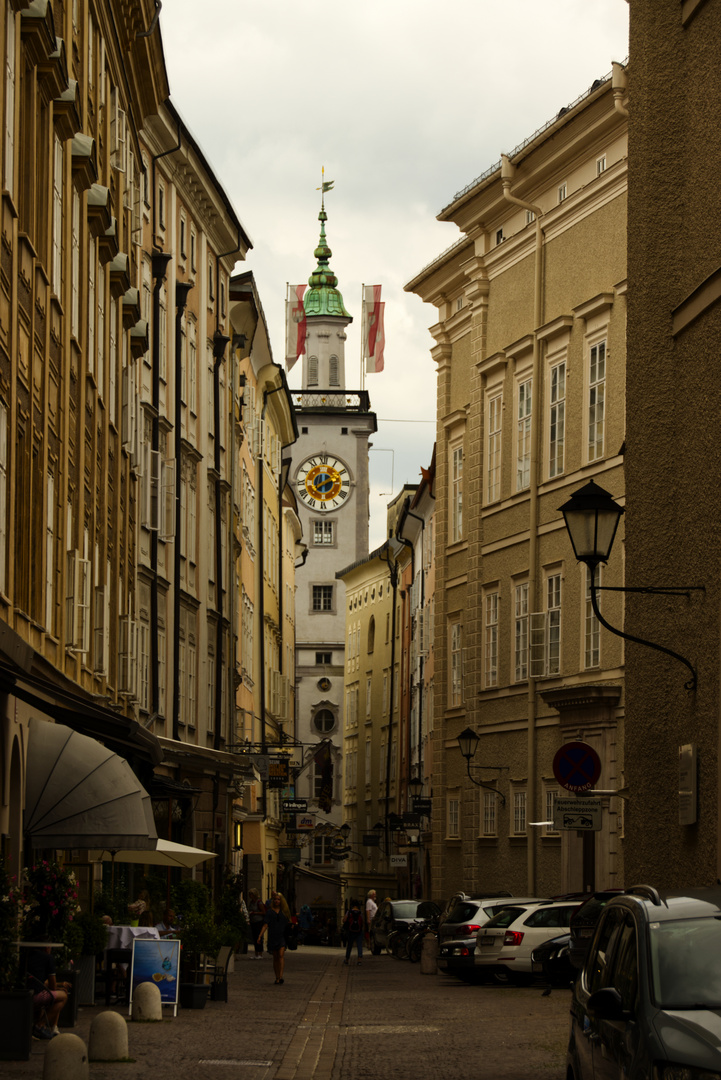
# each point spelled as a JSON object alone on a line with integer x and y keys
{"x": 334, "y": 371}
{"x": 371, "y": 633}
{"x": 312, "y": 371}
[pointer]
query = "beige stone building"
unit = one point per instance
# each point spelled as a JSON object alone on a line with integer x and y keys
{"x": 673, "y": 464}
{"x": 267, "y": 538}
{"x": 122, "y": 413}
{"x": 530, "y": 347}
{"x": 79, "y": 82}
{"x": 372, "y": 788}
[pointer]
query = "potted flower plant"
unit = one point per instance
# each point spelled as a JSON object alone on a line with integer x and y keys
{"x": 16, "y": 1003}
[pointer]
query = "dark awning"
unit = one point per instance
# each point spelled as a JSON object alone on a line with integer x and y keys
{"x": 79, "y": 794}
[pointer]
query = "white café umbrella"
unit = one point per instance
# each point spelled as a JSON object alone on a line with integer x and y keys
{"x": 158, "y": 853}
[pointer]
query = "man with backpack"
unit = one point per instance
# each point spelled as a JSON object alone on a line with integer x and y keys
{"x": 353, "y": 927}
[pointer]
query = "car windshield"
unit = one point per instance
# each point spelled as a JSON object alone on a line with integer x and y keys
{"x": 405, "y": 909}
{"x": 685, "y": 963}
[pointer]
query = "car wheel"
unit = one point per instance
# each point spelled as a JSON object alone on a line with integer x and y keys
{"x": 503, "y": 978}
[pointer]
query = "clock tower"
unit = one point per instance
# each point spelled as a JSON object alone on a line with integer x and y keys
{"x": 330, "y": 472}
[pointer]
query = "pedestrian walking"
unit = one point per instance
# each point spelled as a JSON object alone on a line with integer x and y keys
{"x": 353, "y": 928}
{"x": 256, "y": 915}
{"x": 371, "y": 908}
{"x": 275, "y": 922}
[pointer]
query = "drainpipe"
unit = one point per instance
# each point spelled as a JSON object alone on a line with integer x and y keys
{"x": 619, "y": 82}
{"x": 182, "y": 288}
{"x": 507, "y": 173}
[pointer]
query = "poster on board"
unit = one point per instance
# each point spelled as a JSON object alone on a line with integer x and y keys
{"x": 156, "y": 960}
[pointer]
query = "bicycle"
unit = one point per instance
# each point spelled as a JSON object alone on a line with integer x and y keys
{"x": 420, "y": 930}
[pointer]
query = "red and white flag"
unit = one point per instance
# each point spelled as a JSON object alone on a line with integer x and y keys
{"x": 295, "y": 324}
{"x": 374, "y": 338}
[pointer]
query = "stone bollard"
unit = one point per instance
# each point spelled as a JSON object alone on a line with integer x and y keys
{"x": 108, "y": 1038}
{"x": 66, "y": 1058}
{"x": 429, "y": 956}
{"x": 146, "y": 1002}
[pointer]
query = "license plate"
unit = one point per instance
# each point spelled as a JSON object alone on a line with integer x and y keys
{"x": 487, "y": 942}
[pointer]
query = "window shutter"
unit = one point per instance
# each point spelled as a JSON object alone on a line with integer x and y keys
{"x": 71, "y": 608}
{"x": 99, "y": 631}
{"x": 167, "y": 484}
{"x": 126, "y": 656}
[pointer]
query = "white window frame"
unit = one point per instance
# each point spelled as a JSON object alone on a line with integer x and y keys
{"x": 591, "y": 625}
{"x": 455, "y": 667}
{"x": 494, "y": 436}
{"x": 456, "y": 453}
{"x": 551, "y": 792}
{"x": 557, "y": 419}
{"x": 323, "y": 533}
{"x": 524, "y": 407}
{"x": 596, "y": 441}
{"x": 453, "y": 817}
{"x": 562, "y": 192}
{"x": 491, "y": 607}
{"x": 57, "y": 233}
{"x": 545, "y": 631}
{"x": 489, "y": 813}
{"x": 520, "y": 631}
{"x": 10, "y": 78}
{"x": 518, "y": 818}
{"x": 601, "y": 164}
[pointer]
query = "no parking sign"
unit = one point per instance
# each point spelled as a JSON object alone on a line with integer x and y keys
{"x": 577, "y": 766}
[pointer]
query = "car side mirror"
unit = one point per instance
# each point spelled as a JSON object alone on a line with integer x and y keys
{"x": 606, "y": 1004}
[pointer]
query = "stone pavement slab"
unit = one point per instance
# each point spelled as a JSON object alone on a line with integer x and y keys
{"x": 381, "y": 1020}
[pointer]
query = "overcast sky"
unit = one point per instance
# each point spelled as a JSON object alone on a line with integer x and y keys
{"x": 404, "y": 102}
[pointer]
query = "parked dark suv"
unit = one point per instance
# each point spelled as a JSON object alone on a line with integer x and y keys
{"x": 648, "y": 998}
{"x": 583, "y": 924}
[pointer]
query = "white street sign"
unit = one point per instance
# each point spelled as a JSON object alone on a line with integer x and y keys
{"x": 578, "y": 813}
{"x": 399, "y": 860}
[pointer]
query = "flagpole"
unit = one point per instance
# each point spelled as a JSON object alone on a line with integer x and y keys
{"x": 362, "y": 335}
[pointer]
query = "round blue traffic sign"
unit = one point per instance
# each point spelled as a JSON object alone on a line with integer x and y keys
{"x": 577, "y": 766}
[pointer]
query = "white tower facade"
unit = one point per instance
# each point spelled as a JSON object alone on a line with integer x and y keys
{"x": 330, "y": 471}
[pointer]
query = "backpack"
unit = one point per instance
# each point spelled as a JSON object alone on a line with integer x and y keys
{"x": 355, "y": 922}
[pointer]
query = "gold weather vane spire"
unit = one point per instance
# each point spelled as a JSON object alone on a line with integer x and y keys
{"x": 325, "y": 185}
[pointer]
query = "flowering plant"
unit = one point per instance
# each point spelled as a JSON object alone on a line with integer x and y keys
{"x": 137, "y": 908}
{"x": 9, "y": 929}
{"x": 49, "y": 901}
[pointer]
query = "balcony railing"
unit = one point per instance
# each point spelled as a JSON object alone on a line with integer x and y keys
{"x": 347, "y": 400}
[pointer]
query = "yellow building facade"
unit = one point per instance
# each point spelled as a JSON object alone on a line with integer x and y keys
{"x": 530, "y": 348}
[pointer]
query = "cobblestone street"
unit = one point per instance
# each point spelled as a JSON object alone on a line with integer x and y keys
{"x": 381, "y": 1020}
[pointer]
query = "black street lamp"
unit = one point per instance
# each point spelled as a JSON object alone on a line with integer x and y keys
{"x": 468, "y": 742}
{"x": 592, "y": 516}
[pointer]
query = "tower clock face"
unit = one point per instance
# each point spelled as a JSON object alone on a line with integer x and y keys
{"x": 323, "y": 483}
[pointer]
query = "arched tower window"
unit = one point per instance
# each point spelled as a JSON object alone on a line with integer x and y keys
{"x": 312, "y": 371}
{"x": 334, "y": 375}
